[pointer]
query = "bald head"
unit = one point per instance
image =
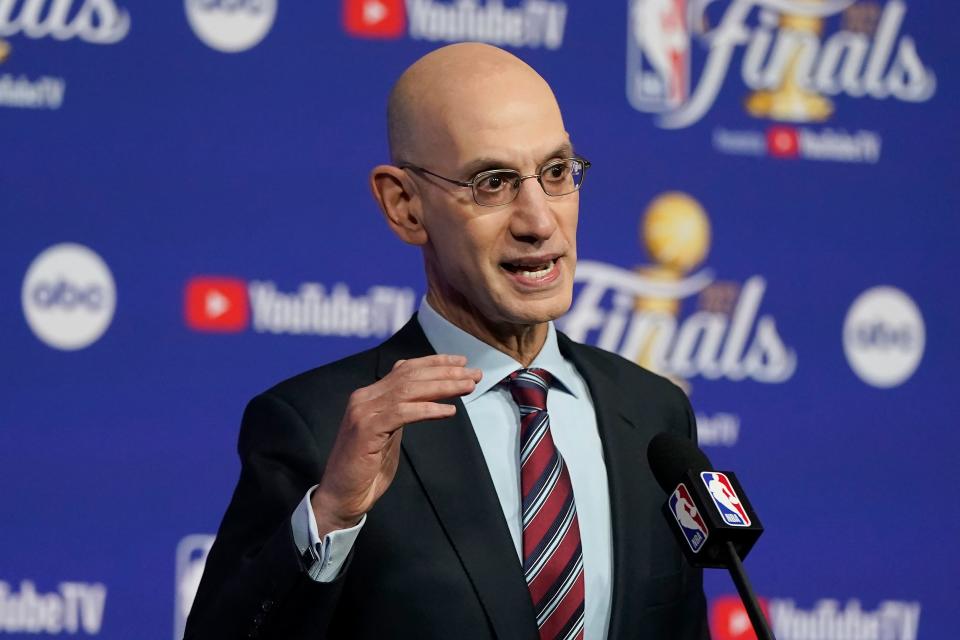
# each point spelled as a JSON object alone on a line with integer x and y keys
{"x": 455, "y": 84}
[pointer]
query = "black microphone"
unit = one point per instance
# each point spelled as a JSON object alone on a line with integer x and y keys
{"x": 708, "y": 512}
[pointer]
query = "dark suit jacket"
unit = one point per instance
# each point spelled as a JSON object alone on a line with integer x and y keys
{"x": 435, "y": 558}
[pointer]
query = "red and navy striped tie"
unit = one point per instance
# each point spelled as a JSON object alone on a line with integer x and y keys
{"x": 552, "y": 555}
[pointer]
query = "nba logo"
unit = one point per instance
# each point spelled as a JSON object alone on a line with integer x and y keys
{"x": 725, "y": 498}
{"x": 691, "y": 522}
{"x": 658, "y": 55}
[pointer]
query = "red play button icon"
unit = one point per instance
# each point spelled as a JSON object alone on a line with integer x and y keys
{"x": 783, "y": 142}
{"x": 216, "y": 304}
{"x": 729, "y": 619}
{"x": 374, "y": 18}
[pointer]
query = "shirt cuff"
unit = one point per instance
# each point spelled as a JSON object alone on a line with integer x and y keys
{"x": 331, "y": 551}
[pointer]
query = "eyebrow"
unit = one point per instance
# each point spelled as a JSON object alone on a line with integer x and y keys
{"x": 489, "y": 163}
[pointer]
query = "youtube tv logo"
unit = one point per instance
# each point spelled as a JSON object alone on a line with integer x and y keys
{"x": 729, "y": 619}
{"x": 783, "y": 142}
{"x": 383, "y": 19}
{"x": 217, "y": 305}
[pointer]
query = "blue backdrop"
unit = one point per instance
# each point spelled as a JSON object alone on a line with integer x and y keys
{"x": 185, "y": 221}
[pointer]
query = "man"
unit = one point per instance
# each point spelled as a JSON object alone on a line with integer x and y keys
{"x": 478, "y": 475}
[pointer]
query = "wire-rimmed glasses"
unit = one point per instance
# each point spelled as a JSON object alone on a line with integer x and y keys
{"x": 498, "y": 187}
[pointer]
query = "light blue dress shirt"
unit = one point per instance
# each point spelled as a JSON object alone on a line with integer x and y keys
{"x": 496, "y": 421}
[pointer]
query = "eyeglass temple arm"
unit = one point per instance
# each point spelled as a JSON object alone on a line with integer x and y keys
{"x": 436, "y": 175}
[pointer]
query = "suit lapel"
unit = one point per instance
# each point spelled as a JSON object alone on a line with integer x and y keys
{"x": 446, "y": 458}
{"x": 624, "y": 446}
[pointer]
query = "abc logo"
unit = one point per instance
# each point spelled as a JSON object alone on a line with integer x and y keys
{"x": 231, "y": 25}
{"x": 883, "y": 336}
{"x": 68, "y": 296}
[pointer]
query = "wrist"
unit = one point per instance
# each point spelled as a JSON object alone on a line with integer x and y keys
{"x": 328, "y": 518}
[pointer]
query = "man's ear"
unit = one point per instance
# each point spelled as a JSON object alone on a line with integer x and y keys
{"x": 399, "y": 201}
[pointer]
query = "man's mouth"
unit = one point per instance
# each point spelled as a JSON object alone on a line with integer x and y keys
{"x": 533, "y": 268}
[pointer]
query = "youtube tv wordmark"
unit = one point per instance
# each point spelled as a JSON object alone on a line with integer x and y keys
{"x": 531, "y": 24}
{"x": 825, "y": 619}
{"x": 218, "y": 304}
{"x": 805, "y": 143}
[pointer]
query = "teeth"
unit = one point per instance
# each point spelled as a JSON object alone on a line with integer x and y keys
{"x": 536, "y": 275}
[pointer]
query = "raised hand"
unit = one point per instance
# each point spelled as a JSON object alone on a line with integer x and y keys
{"x": 365, "y": 455}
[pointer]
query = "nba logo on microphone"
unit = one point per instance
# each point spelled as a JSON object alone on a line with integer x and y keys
{"x": 658, "y": 55}
{"x": 691, "y": 522}
{"x": 725, "y": 498}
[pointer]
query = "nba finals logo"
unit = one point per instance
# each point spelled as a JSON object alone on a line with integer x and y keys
{"x": 679, "y": 54}
{"x": 725, "y": 499}
{"x": 640, "y": 313}
{"x": 691, "y": 522}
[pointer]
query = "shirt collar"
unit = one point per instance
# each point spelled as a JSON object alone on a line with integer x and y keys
{"x": 446, "y": 337}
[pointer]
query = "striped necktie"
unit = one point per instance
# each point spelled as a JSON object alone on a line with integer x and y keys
{"x": 552, "y": 555}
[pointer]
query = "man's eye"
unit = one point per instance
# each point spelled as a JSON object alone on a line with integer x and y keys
{"x": 556, "y": 172}
{"x": 493, "y": 183}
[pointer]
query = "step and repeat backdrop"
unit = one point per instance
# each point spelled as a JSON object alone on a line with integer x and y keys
{"x": 771, "y": 221}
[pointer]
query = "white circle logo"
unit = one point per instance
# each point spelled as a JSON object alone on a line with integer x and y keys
{"x": 884, "y": 336}
{"x": 231, "y": 25}
{"x": 68, "y": 296}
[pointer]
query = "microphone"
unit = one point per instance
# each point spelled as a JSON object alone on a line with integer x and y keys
{"x": 708, "y": 512}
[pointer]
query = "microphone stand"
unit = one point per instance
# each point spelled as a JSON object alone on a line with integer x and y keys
{"x": 759, "y": 621}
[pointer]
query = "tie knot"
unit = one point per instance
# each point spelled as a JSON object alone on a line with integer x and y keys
{"x": 529, "y": 388}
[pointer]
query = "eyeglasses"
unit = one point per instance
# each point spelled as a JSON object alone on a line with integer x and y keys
{"x": 498, "y": 187}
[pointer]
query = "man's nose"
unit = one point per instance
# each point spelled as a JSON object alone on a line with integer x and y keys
{"x": 533, "y": 218}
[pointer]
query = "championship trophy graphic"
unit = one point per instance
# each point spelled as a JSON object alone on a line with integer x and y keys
{"x": 791, "y": 102}
{"x": 675, "y": 231}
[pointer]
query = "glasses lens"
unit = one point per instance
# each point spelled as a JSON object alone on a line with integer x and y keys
{"x": 562, "y": 177}
{"x": 494, "y": 188}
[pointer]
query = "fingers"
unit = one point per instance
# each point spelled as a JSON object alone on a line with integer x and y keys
{"x": 443, "y": 373}
{"x": 430, "y": 378}
{"x": 401, "y": 414}
{"x": 436, "y": 367}
{"x": 431, "y": 390}
{"x": 409, "y": 412}
{"x": 409, "y": 393}
{"x": 438, "y": 359}
{"x": 415, "y": 401}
